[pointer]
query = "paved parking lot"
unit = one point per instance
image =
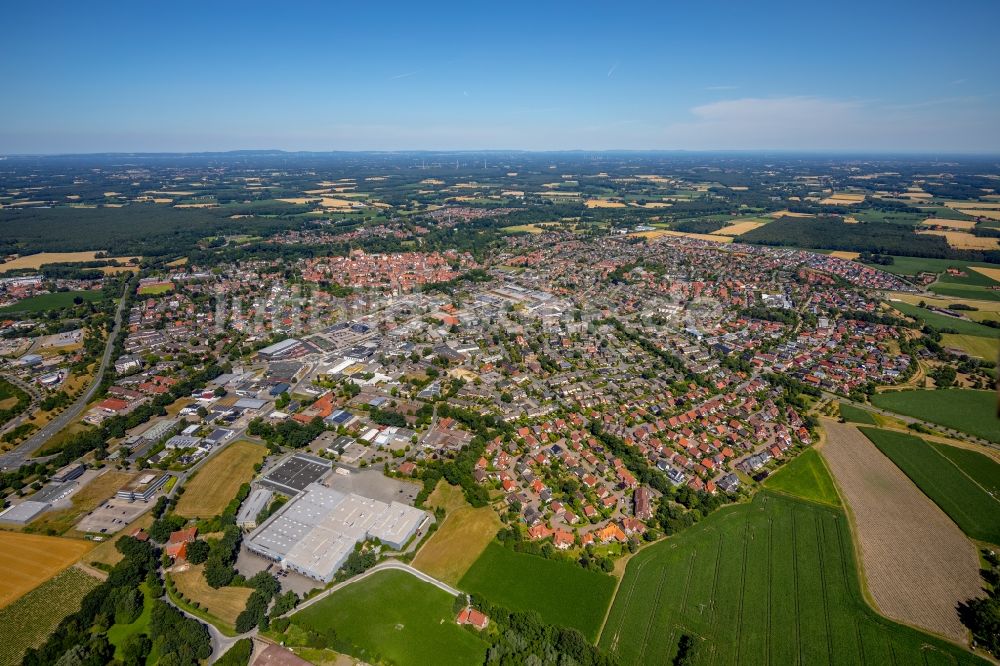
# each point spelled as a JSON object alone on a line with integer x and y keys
{"x": 112, "y": 516}
{"x": 372, "y": 483}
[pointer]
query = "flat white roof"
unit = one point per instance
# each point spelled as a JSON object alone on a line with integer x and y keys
{"x": 316, "y": 531}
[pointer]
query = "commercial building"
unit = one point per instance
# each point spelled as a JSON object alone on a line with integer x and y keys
{"x": 252, "y": 506}
{"x": 23, "y": 513}
{"x": 142, "y": 488}
{"x": 315, "y": 532}
{"x": 69, "y": 472}
{"x": 296, "y": 472}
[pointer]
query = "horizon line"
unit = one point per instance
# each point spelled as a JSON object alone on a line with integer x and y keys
{"x": 527, "y": 151}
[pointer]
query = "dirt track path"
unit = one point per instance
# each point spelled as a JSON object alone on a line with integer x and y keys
{"x": 917, "y": 564}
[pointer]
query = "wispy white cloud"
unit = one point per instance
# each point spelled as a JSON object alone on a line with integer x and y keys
{"x": 612, "y": 70}
{"x": 405, "y": 75}
{"x": 721, "y": 87}
{"x": 819, "y": 123}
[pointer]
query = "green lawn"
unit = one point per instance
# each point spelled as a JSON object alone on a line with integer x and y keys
{"x": 974, "y": 412}
{"x": 119, "y": 632}
{"x": 963, "y": 499}
{"x": 58, "y": 299}
{"x": 940, "y": 321}
{"x": 774, "y": 581}
{"x": 806, "y": 477}
{"x": 396, "y": 618}
{"x": 856, "y": 414}
{"x": 562, "y": 592}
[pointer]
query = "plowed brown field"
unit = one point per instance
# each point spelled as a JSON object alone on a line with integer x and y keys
{"x": 917, "y": 563}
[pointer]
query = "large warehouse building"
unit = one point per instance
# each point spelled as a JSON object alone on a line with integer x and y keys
{"x": 315, "y": 532}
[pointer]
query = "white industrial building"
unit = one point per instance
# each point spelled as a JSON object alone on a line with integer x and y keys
{"x": 315, "y": 532}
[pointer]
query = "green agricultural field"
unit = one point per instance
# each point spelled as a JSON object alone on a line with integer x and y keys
{"x": 944, "y": 322}
{"x": 58, "y": 299}
{"x": 27, "y": 622}
{"x": 914, "y": 265}
{"x": 958, "y": 494}
{"x": 807, "y": 477}
{"x": 984, "y": 470}
{"x": 856, "y": 414}
{"x": 394, "y": 617}
{"x": 974, "y": 412}
{"x": 562, "y": 592}
{"x": 972, "y": 285}
{"x": 974, "y": 345}
{"x": 772, "y": 582}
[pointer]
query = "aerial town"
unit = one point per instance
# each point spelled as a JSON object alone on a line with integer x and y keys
{"x": 384, "y": 334}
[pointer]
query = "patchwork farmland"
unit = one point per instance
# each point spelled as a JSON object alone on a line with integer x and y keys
{"x": 769, "y": 582}
{"x": 969, "y": 411}
{"x": 917, "y": 563}
{"x": 29, "y": 559}
{"x": 959, "y": 495}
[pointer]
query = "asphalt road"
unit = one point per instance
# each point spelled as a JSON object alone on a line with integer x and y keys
{"x": 22, "y": 453}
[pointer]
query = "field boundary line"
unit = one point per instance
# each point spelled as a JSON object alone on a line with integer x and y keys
{"x": 960, "y": 470}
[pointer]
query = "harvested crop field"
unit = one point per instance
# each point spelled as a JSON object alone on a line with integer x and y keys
{"x": 918, "y": 564}
{"x": 217, "y": 483}
{"x": 38, "y": 260}
{"x": 963, "y": 240}
{"x": 27, "y": 560}
{"x": 961, "y": 225}
{"x": 603, "y": 203}
{"x": 666, "y": 232}
{"x": 991, "y": 273}
{"x": 740, "y": 228}
{"x": 842, "y": 254}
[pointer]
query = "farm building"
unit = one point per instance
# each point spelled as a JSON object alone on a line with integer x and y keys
{"x": 315, "y": 532}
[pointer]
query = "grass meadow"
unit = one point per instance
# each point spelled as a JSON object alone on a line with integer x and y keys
{"x": 856, "y": 414}
{"x": 561, "y": 592}
{"x": 461, "y": 538}
{"x": 958, "y": 494}
{"x": 774, "y": 581}
{"x": 216, "y": 484}
{"x": 393, "y": 617}
{"x": 966, "y": 410}
{"x": 807, "y": 477}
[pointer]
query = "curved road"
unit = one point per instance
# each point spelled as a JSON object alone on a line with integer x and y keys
{"x": 21, "y": 454}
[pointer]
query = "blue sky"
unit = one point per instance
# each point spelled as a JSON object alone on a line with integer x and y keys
{"x": 179, "y": 76}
